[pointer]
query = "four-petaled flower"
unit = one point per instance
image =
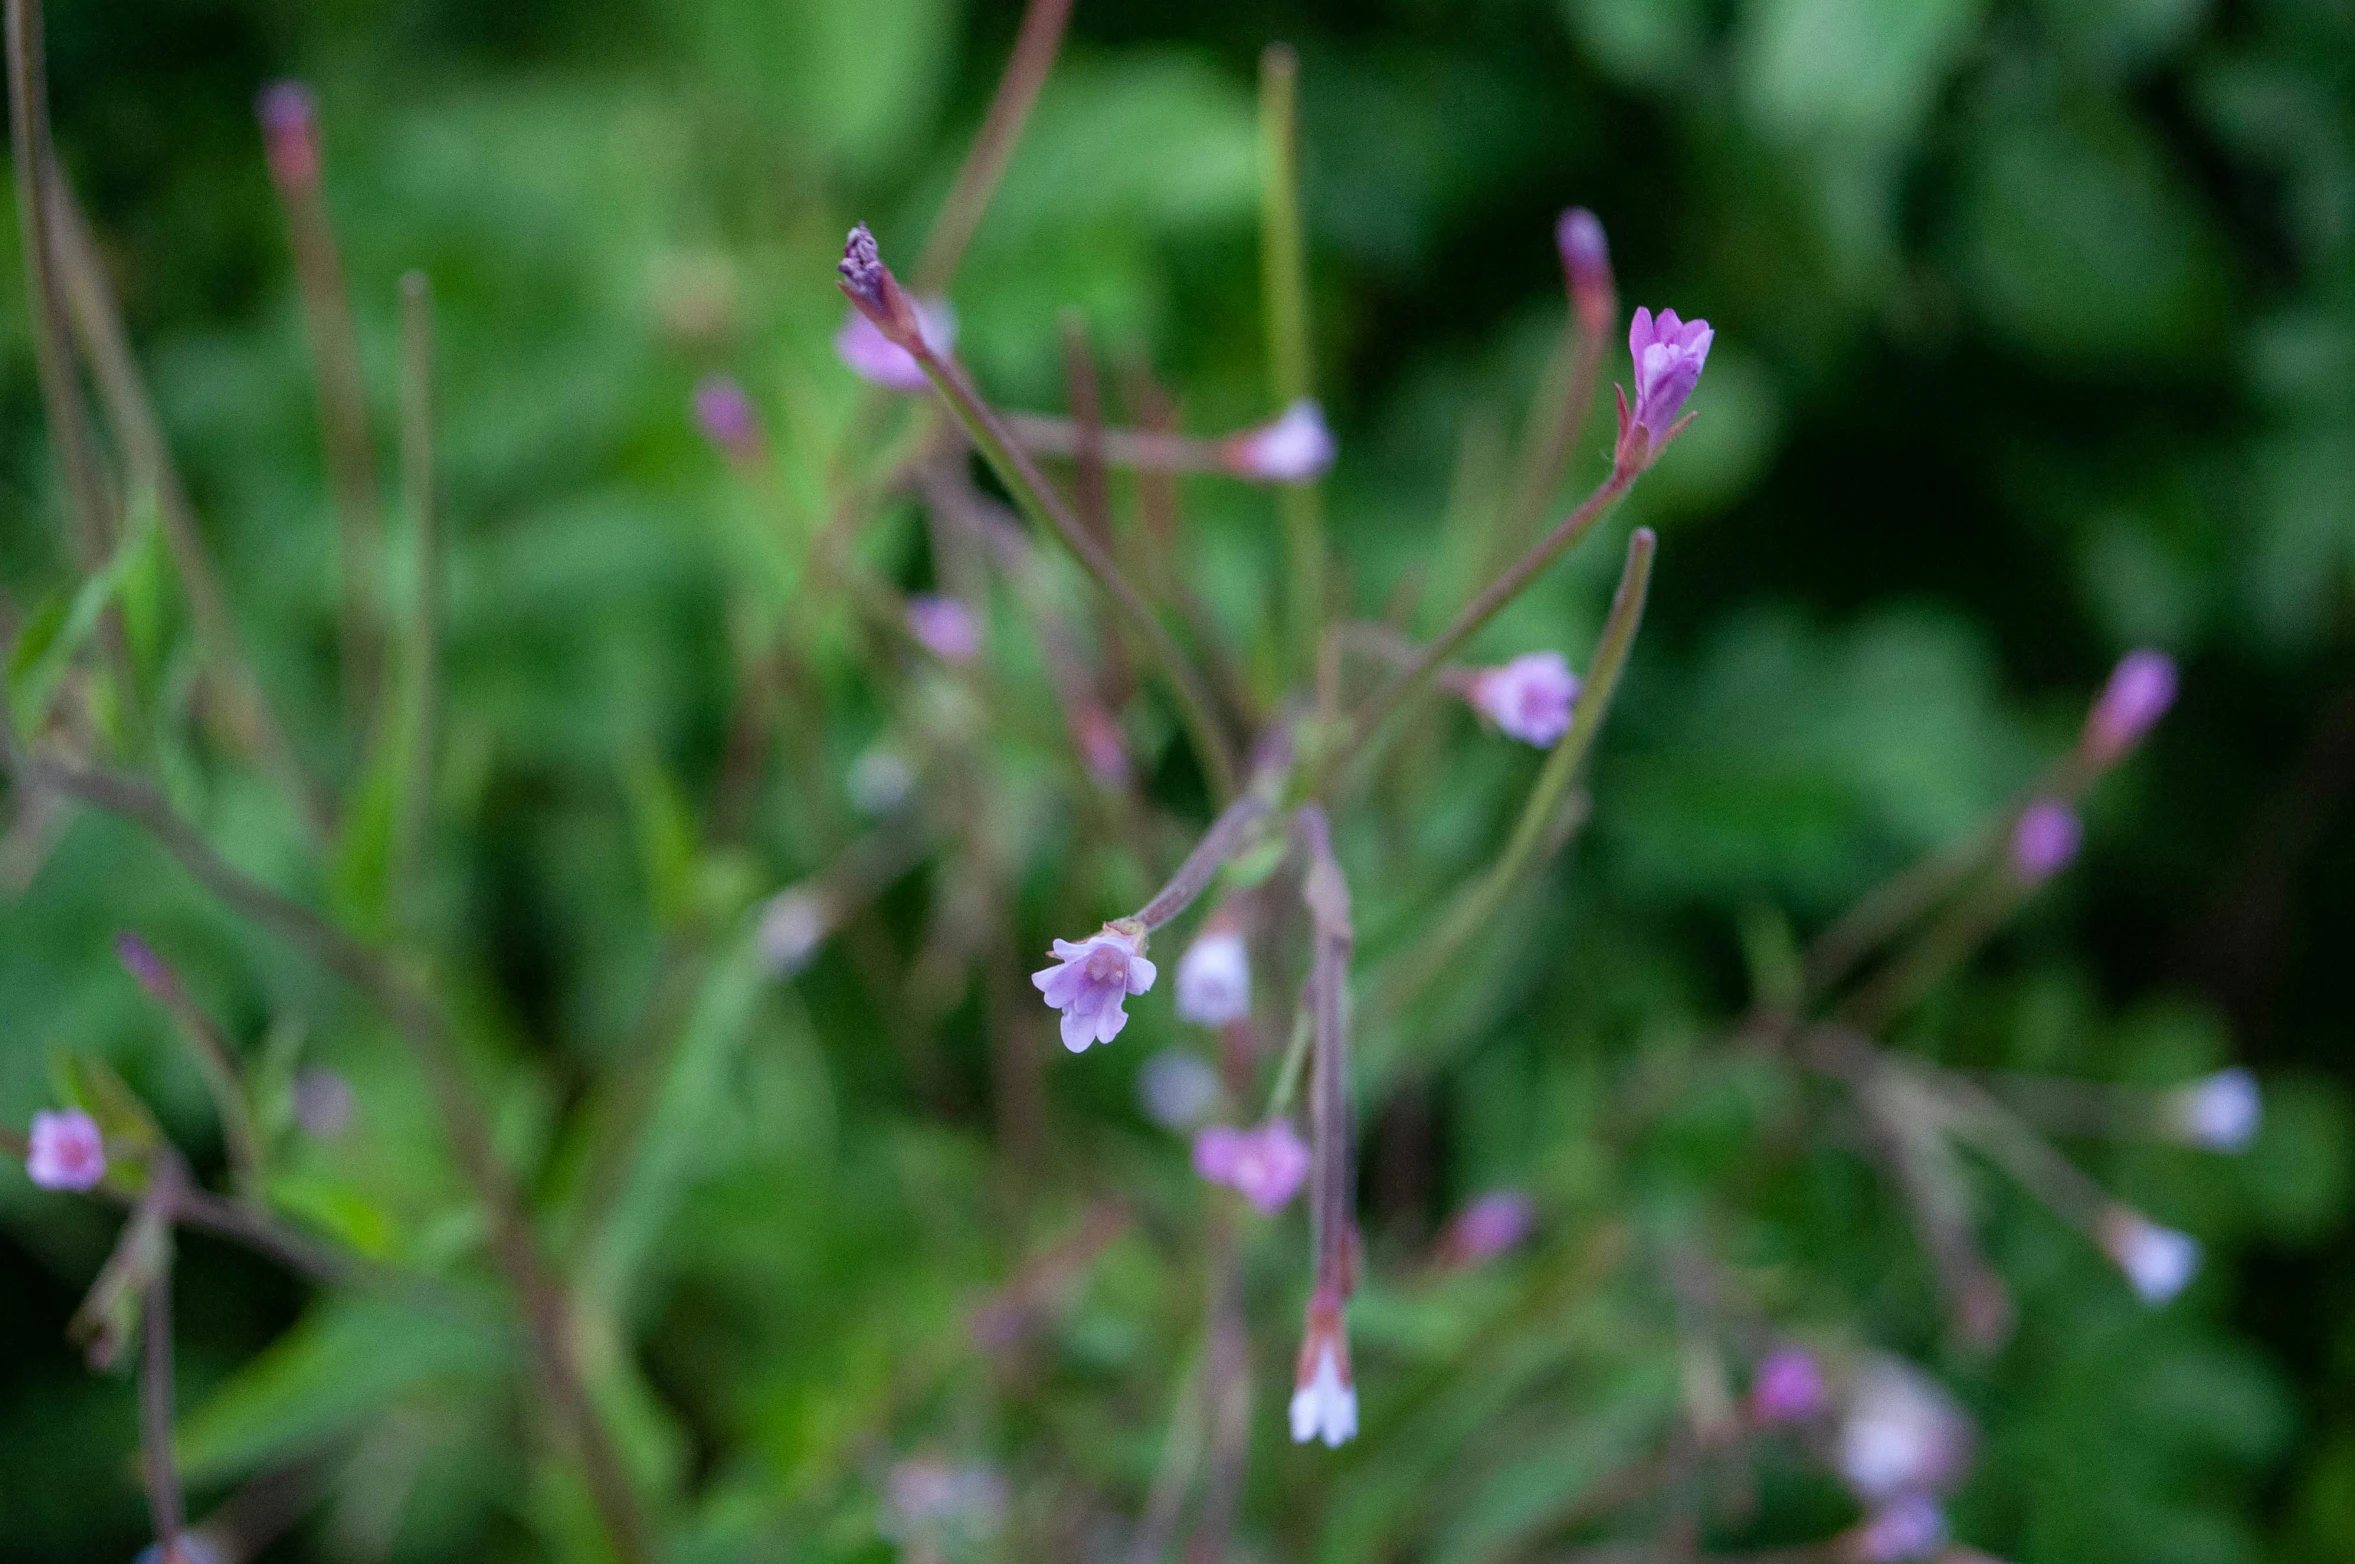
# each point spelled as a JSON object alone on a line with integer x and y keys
{"x": 1265, "y": 1165}
{"x": 1668, "y": 355}
{"x": 1090, "y": 981}
{"x": 65, "y": 1151}
{"x": 1528, "y": 698}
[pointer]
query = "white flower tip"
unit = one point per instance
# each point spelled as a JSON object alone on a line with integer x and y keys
{"x": 1326, "y": 1407}
{"x": 1295, "y": 448}
{"x": 2219, "y": 1112}
{"x": 793, "y": 924}
{"x": 2159, "y": 1262}
{"x": 1214, "y": 979}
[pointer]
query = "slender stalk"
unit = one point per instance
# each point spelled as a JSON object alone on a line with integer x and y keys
{"x": 1279, "y": 1097}
{"x": 1144, "y": 450}
{"x": 61, "y": 397}
{"x": 1565, "y": 396}
{"x": 1941, "y": 947}
{"x": 425, "y": 609}
{"x": 215, "y": 1060}
{"x": 1326, "y": 894}
{"x": 160, "y": 1477}
{"x": 131, "y": 417}
{"x": 1476, "y": 614}
{"x": 1035, "y": 48}
{"x": 1284, "y": 283}
{"x": 420, "y": 1025}
{"x": 1032, "y": 491}
{"x": 1480, "y": 900}
{"x": 1218, "y": 844}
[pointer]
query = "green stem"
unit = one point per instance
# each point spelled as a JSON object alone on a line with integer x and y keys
{"x": 426, "y": 607}
{"x": 1284, "y": 281}
{"x": 1035, "y": 48}
{"x": 1037, "y": 498}
{"x": 1480, "y": 900}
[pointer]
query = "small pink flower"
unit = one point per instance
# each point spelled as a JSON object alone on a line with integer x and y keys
{"x": 1789, "y": 1387}
{"x": 1900, "y": 1432}
{"x": 878, "y": 360}
{"x": 1324, "y": 1399}
{"x": 1265, "y": 1165}
{"x": 724, "y": 413}
{"x": 1528, "y": 698}
{"x": 944, "y": 627}
{"x": 1668, "y": 355}
{"x": 1295, "y": 448}
{"x": 65, "y": 1151}
{"x": 2140, "y": 690}
{"x": 1907, "y": 1527}
{"x": 2158, "y": 1261}
{"x": 2219, "y": 1112}
{"x": 290, "y": 133}
{"x": 1489, "y": 1226}
{"x": 1091, "y": 980}
{"x": 1214, "y": 977}
{"x": 2044, "y": 841}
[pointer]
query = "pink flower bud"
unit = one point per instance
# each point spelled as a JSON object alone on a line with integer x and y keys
{"x": 1295, "y": 448}
{"x": 1789, "y": 1388}
{"x": 65, "y": 1151}
{"x": 1324, "y": 1399}
{"x": 2044, "y": 841}
{"x": 1214, "y": 978}
{"x": 944, "y": 627}
{"x": 1091, "y": 980}
{"x": 290, "y": 133}
{"x": 1910, "y": 1526}
{"x": 876, "y": 359}
{"x": 1668, "y": 355}
{"x": 876, "y": 293}
{"x": 1494, "y": 1223}
{"x": 1265, "y": 1166}
{"x": 724, "y": 413}
{"x": 1101, "y": 749}
{"x": 1586, "y": 261}
{"x": 2219, "y": 1112}
{"x": 2159, "y": 1261}
{"x": 1528, "y": 698}
{"x": 140, "y": 960}
{"x": 2140, "y": 690}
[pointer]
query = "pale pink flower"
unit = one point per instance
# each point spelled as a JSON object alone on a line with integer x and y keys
{"x": 1295, "y": 448}
{"x": 2219, "y": 1112}
{"x": 65, "y": 1151}
{"x": 1668, "y": 355}
{"x": 1214, "y": 978}
{"x": 875, "y": 358}
{"x": 1900, "y": 1433}
{"x": 1092, "y": 979}
{"x": 1489, "y": 1226}
{"x": 1528, "y": 698}
{"x": 1324, "y": 1399}
{"x": 724, "y": 413}
{"x": 1789, "y": 1388}
{"x": 2158, "y": 1261}
{"x": 2044, "y": 841}
{"x": 1265, "y": 1165}
{"x": 944, "y": 627}
{"x": 2140, "y": 690}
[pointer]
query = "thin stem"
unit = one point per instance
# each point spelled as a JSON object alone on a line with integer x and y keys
{"x": 1284, "y": 283}
{"x": 1218, "y": 844}
{"x": 217, "y": 1063}
{"x": 1476, "y": 614}
{"x": 161, "y": 1477}
{"x": 69, "y": 436}
{"x": 1035, "y": 48}
{"x": 1326, "y": 894}
{"x": 1565, "y": 396}
{"x": 1279, "y": 1097}
{"x": 1031, "y": 490}
{"x": 131, "y": 416}
{"x": 1480, "y": 900}
{"x": 417, "y": 484}
{"x": 420, "y": 1024}
{"x": 1941, "y": 947}
{"x": 1143, "y": 450}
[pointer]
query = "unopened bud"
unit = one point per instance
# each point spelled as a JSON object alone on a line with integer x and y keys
{"x": 2158, "y": 1261}
{"x": 1586, "y": 262}
{"x": 290, "y": 133}
{"x": 2140, "y": 690}
{"x": 2219, "y": 1112}
{"x": 2044, "y": 841}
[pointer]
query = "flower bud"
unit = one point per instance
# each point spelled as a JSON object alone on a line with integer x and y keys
{"x": 793, "y": 924}
{"x": 1586, "y": 262}
{"x": 1668, "y": 354}
{"x": 1265, "y": 1166}
{"x": 2044, "y": 841}
{"x": 1324, "y": 1399}
{"x": 2158, "y": 1261}
{"x": 65, "y": 1151}
{"x": 1214, "y": 977}
{"x": 724, "y": 413}
{"x": 944, "y": 627}
{"x": 1295, "y": 448}
{"x": 290, "y": 133}
{"x": 2219, "y": 1112}
{"x": 1789, "y": 1387}
{"x": 2140, "y": 690}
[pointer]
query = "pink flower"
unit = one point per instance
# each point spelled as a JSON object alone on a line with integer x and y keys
{"x": 1908, "y": 1527}
{"x": 1090, "y": 981}
{"x": 1789, "y": 1387}
{"x": 1214, "y": 978}
{"x": 945, "y": 627}
{"x": 875, "y": 358}
{"x": 724, "y": 413}
{"x": 1586, "y": 261}
{"x": 1295, "y": 448}
{"x": 2044, "y": 841}
{"x": 1265, "y": 1165}
{"x": 1668, "y": 355}
{"x": 1324, "y": 1399}
{"x": 65, "y": 1151}
{"x": 2140, "y": 690}
{"x": 2159, "y": 1261}
{"x": 1900, "y": 1433}
{"x": 1490, "y": 1225}
{"x": 290, "y": 133}
{"x": 2219, "y": 1112}
{"x": 1528, "y": 698}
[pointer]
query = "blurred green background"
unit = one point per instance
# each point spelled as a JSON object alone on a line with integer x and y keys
{"x": 2036, "y": 341}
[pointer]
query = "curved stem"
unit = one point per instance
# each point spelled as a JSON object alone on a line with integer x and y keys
{"x": 1035, "y": 48}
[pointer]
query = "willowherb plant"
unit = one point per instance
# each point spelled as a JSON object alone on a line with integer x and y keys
{"x": 1298, "y": 743}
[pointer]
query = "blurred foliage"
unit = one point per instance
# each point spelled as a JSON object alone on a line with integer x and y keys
{"x": 2036, "y": 326}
